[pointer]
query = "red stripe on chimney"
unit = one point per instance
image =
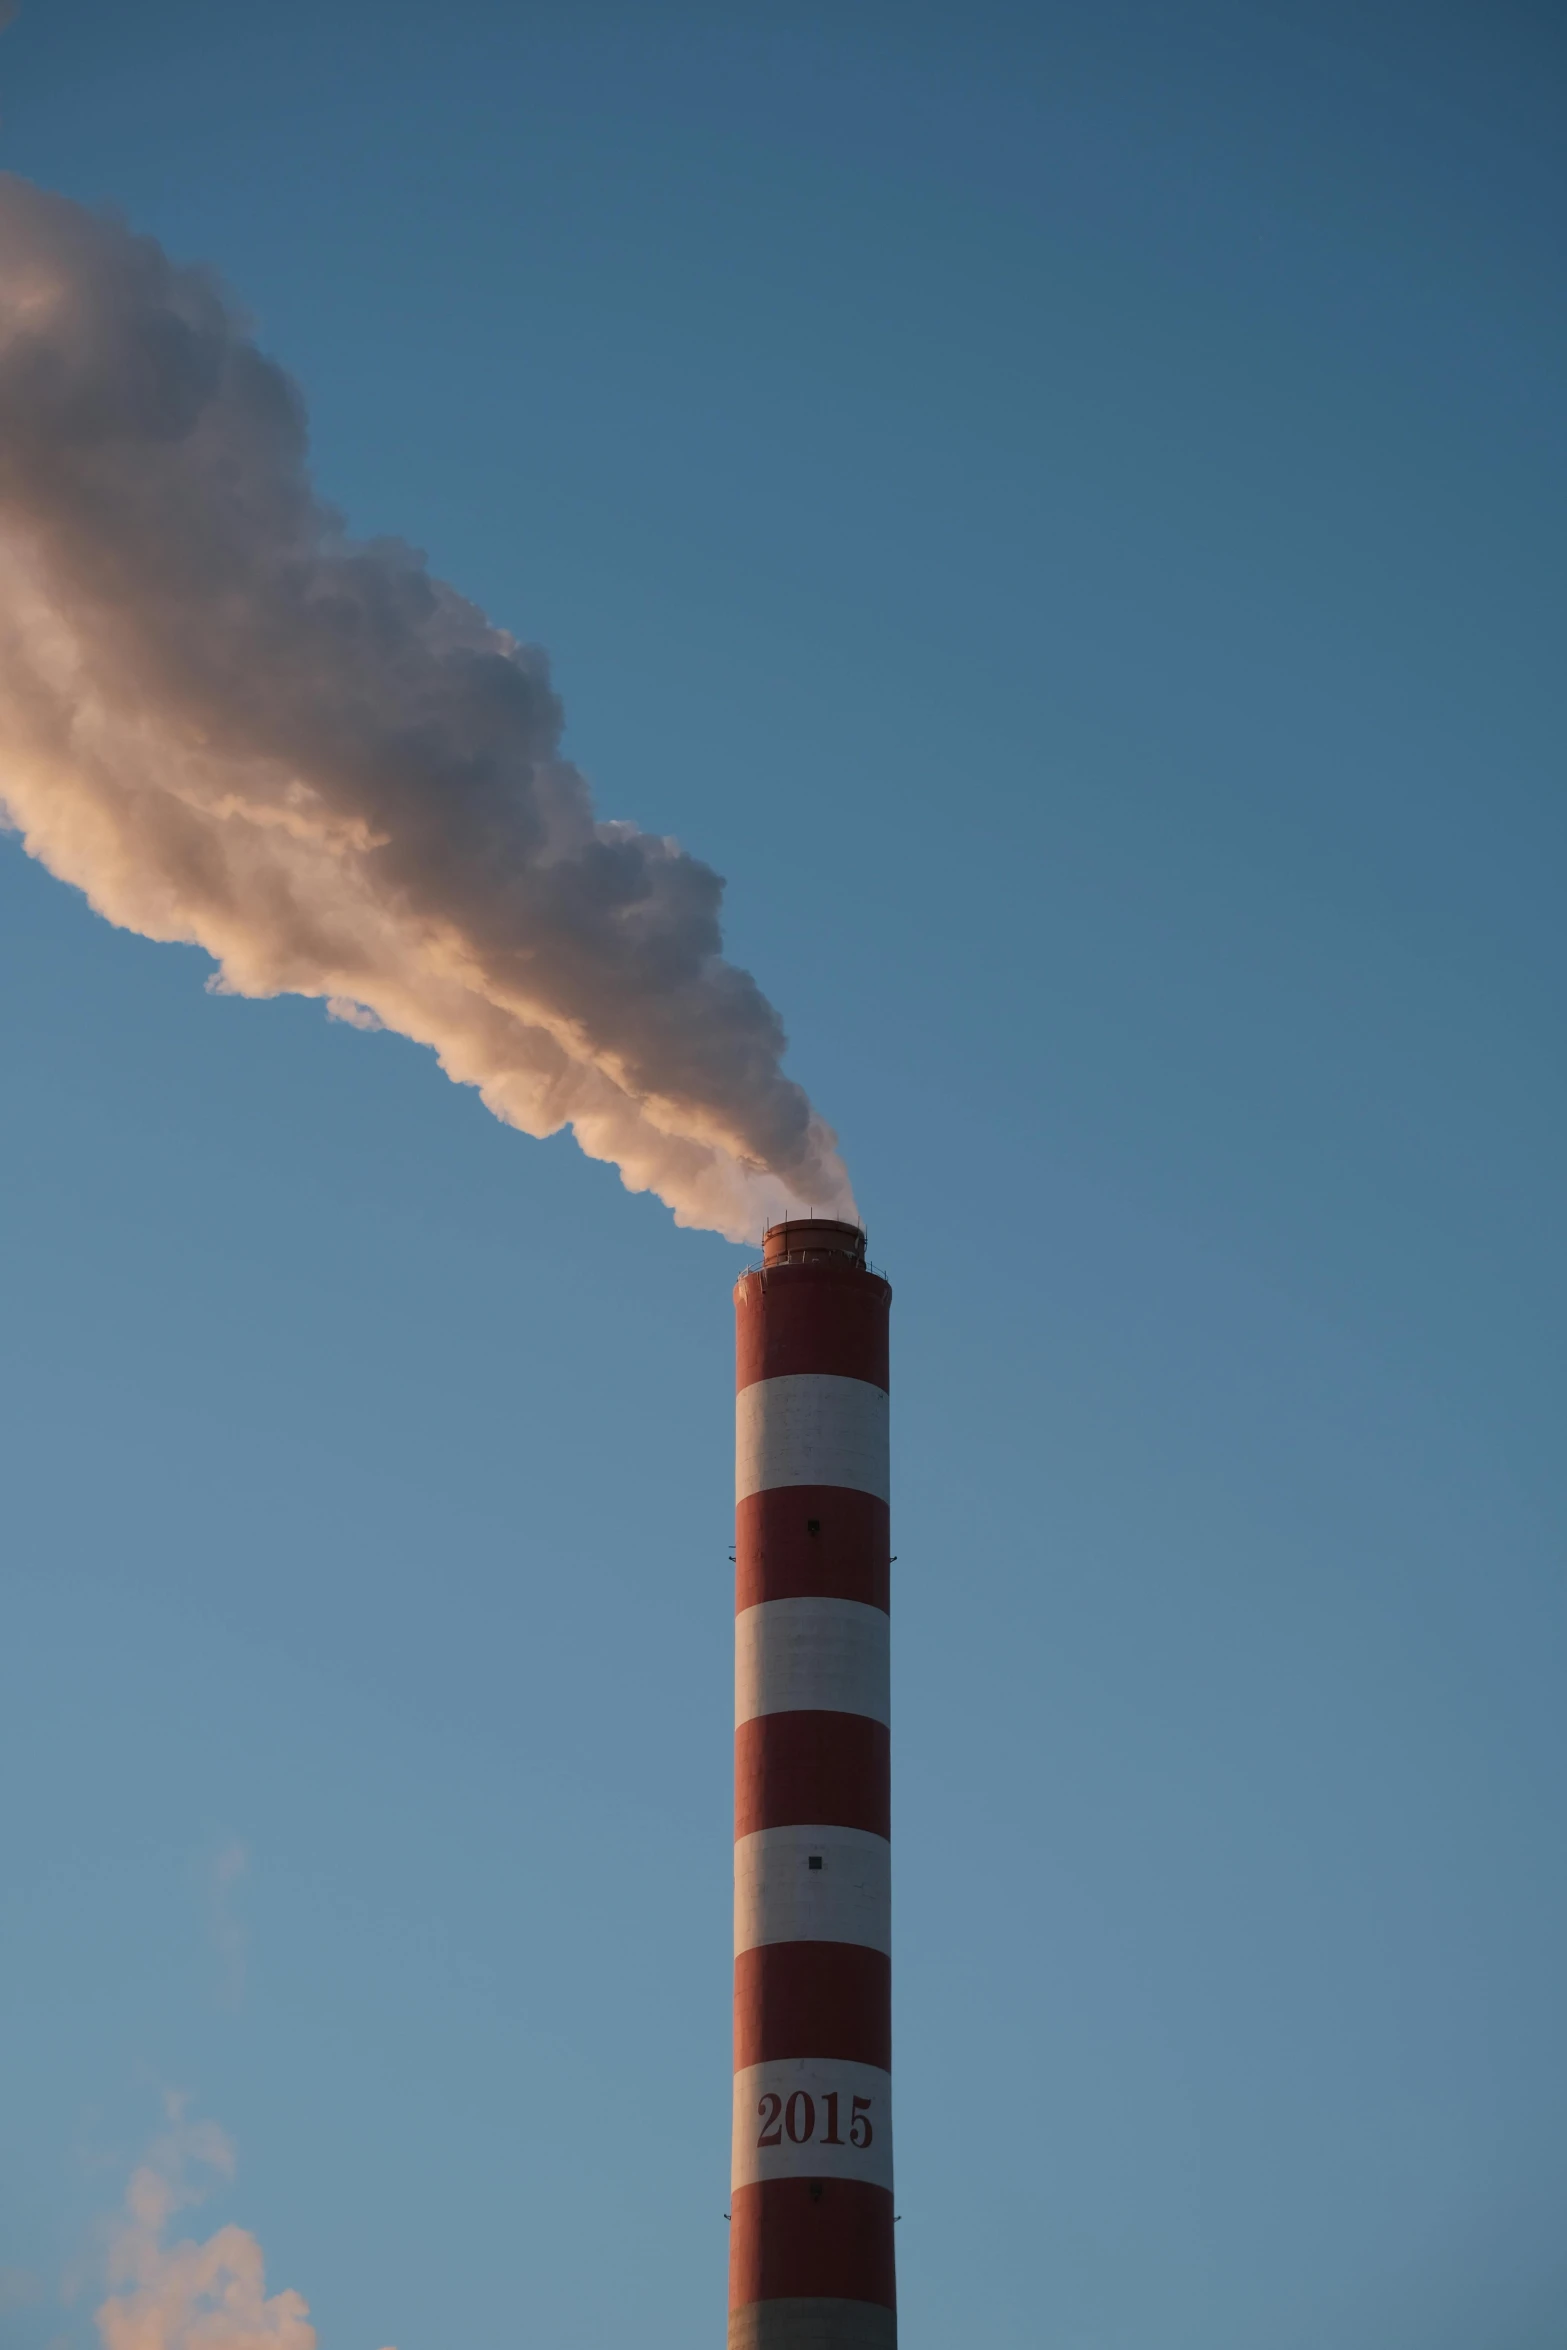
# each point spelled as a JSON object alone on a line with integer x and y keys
{"x": 812, "y": 1542}
{"x": 811, "y": 2238}
{"x": 811, "y": 1317}
{"x": 812, "y": 1770}
{"x": 813, "y": 1999}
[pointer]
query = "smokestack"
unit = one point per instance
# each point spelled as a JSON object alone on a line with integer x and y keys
{"x": 811, "y": 2257}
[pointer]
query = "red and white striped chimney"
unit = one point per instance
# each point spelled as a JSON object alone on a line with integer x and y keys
{"x": 810, "y": 2248}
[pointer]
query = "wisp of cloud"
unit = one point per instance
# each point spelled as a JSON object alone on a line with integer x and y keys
{"x": 229, "y": 723}
{"x": 188, "y": 2295}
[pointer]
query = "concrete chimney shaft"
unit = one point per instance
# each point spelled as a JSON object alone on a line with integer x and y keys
{"x": 811, "y": 2246}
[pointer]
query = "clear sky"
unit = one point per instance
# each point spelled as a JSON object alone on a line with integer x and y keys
{"x": 1064, "y": 508}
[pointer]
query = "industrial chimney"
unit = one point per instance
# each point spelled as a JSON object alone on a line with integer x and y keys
{"x": 810, "y": 2255}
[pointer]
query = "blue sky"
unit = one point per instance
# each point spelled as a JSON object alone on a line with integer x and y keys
{"x": 1063, "y": 508}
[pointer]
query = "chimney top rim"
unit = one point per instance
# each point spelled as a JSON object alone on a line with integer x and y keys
{"x": 794, "y": 1237}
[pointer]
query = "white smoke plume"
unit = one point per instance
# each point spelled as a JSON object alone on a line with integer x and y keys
{"x": 231, "y": 724}
{"x": 187, "y": 2295}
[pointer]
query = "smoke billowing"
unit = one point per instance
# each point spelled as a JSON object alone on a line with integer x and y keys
{"x": 231, "y": 724}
